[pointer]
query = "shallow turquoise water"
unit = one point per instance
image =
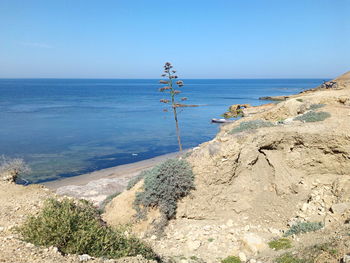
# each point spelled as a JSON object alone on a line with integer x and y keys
{"x": 66, "y": 127}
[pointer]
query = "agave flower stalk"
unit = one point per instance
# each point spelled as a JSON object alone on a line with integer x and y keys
{"x": 172, "y": 88}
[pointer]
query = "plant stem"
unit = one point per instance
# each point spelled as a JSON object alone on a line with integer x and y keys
{"x": 177, "y": 129}
{"x": 173, "y": 104}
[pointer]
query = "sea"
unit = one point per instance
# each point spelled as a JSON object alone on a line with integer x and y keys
{"x": 68, "y": 127}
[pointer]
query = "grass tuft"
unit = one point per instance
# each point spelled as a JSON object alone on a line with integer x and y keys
{"x": 231, "y": 259}
{"x": 282, "y": 243}
{"x": 289, "y": 258}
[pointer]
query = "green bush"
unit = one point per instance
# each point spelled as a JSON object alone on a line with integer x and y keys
{"x": 231, "y": 259}
{"x": 313, "y": 116}
{"x": 282, "y": 243}
{"x": 316, "y": 106}
{"x": 289, "y": 258}
{"x": 164, "y": 185}
{"x": 76, "y": 228}
{"x": 303, "y": 227}
{"x": 251, "y": 125}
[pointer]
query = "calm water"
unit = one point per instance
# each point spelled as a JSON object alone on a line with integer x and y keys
{"x": 66, "y": 127}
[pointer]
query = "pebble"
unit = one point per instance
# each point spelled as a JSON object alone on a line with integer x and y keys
{"x": 242, "y": 256}
{"x": 84, "y": 257}
{"x": 229, "y": 223}
{"x": 193, "y": 245}
{"x": 346, "y": 259}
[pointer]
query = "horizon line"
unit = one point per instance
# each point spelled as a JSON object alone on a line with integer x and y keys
{"x": 24, "y": 78}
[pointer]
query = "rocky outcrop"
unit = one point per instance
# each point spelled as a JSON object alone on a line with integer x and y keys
{"x": 235, "y": 111}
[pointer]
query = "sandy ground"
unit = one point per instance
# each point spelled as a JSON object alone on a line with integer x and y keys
{"x": 96, "y": 186}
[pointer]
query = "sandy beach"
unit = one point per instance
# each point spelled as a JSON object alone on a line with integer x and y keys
{"x": 97, "y": 185}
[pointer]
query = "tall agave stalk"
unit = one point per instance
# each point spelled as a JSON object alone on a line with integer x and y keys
{"x": 172, "y": 88}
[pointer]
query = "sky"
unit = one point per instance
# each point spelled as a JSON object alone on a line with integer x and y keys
{"x": 201, "y": 38}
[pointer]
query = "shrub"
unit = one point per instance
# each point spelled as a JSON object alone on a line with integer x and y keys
{"x": 251, "y": 125}
{"x": 300, "y": 100}
{"x": 313, "y": 116}
{"x": 76, "y": 228}
{"x": 164, "y": 185}
{"x": 133, "y": 181}
{"x": 316, "y": 106}
{"x": 231, "y": 259}
{"x": 289, "y": 258}
{"x": 10, "y": 169}
{"x": 303, "y": 227}
{"x": 107, "y": 200}
{"x": 282, "y": 243}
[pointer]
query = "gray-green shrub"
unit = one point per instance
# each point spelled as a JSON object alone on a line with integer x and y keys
{"x": 133, "y": 181}
{"x": 303, "y": 227}
{"x": 316, "y": 106}
{"x": 164, "y": 185}
{"x": 251, "y": 125}
{"x": 77, "y": 228}
{"x": 313, "y": 116}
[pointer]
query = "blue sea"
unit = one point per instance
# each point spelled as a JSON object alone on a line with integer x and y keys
{"x": 67, "y": 127}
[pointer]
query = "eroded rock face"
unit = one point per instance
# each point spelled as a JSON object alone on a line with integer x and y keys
{"x": 250, "y": 186}
{"x": 266, "y": 171}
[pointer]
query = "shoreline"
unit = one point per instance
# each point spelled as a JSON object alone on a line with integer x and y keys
{"x": 111, "y": 172}
{"x": 98, "y": 185}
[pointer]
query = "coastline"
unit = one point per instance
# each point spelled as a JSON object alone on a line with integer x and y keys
{"x": 97, "y": 185}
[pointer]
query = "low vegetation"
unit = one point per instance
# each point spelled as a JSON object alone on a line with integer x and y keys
{"x": 303, "y": 227}
{"x": 107, "y": 200}
{"x": 326, "y": 252}
{"x": 11, "y": 168}
{"x": 289, "y": 258}
{"x": 76, "y": 228}
{"x": 282, "y": 243}
{"x": 313, "y": 116}
{"x": 231, "y": 259}
{"x": 316, "y": 106}
{"x": 136, "y": 179}
{"x": 251, "y": 125}
{"x": 164, "y": 185}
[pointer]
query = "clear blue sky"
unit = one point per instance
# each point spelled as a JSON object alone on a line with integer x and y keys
{"x": 203, "y": 39}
